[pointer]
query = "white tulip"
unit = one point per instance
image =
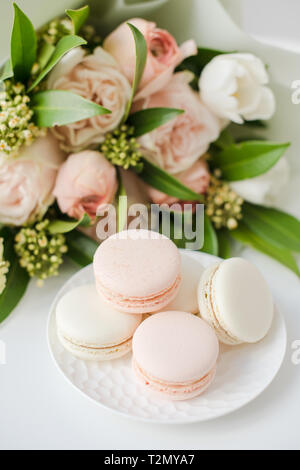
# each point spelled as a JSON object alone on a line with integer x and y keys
{"x": 234, "y": 87}
{"x": 265, "y": 188}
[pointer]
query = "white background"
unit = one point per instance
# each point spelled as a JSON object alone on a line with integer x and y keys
{"x": 40, "y": 410}
{"x": 274, "y": 20}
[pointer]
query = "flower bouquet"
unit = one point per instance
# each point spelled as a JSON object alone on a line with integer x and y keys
{"x": 87, "y": 120}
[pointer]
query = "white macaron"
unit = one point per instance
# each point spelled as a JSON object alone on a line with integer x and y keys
{"x": 236, "y": 301}
{"x": 91, "y": 329}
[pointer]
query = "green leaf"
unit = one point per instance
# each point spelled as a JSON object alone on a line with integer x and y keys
{"x": 224, "y": 140}
{"x": 274, "y": 226}
{"x": 196, "y": 63}
{"x": 256, "y": 123}
{"x": 81, "y": 248}
{"x": 141, "y": 58}
{"x": 166, "y": 183}
{"x": 45, "y": 54}
{"x": 224, "y": 243}
{"x": 17, "y": 277}
{"x": 210, "y": 238}
{"x": 64, "y": 45}
{"x": 121, "y": 199}
{"x": 65, "y": 226}
{"x": 23, "y": 46}
{"x": 78, "y": 17}
{"x": 7, "y": 71}
{"x": 58, "y": 107}
{"x": 245, "y": 235}
{"x": 242, "y": 138}
{"x": 248, "y": 159}
{"x": 147, "y": 120}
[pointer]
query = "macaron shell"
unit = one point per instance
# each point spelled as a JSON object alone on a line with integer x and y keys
{"x": 137, "y": 264}
{"x": 94, "y": 354}
{"x": 140, "y": 305}
{"x": 186, "y": 297}
{"x": 206, "y": 306}
{"x": 175, "y": 347}
{"x": 243, "y": 299}
{"x": 84, "y": 319}
{"x": 177, "y": 392}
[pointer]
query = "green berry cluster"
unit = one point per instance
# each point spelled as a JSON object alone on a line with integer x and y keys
{"x": 89, "y": 33}
{"x": 49, "y": 35}
{"x": 122, "y": 149}
{"x": 40, "y": 252}
{"x": 52, "y": 32}
{"x": 16, "y": 124}
{"x": 58, "y": 28}
{"x": 223, "y": 205}
{"x": 4, "y": 265}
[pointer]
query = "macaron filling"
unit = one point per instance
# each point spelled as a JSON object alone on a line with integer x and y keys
{"x": 109, "y": 349}
{"x": 215, "y": 317}
{"x": 151, "y": 303}
{"x": 193, "y": 387}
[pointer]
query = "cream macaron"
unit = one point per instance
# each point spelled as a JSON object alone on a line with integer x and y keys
{"x": 175, "y": 354}
{"x": 236, "y": 301}
{"x": 90, "y": 329}
{"x": 186, "y": 297}
{"x": 137, "y": 271}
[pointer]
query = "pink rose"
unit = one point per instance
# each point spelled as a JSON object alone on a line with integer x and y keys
{"x": 175, "y": 146}
{"x": 96, "y": 77}
{"x": 196, "y": 177}
{"x": 26, "y": 182}
{"x": 85, "y": 181}
{"x": 162, "y": 58}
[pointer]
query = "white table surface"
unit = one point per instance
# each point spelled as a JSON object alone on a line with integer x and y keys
{"x": 40, "y": 410}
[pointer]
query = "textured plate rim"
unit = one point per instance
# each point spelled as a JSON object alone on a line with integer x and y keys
{"x": 195, "y": 419}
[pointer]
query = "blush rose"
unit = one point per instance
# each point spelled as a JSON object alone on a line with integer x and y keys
{"x": 96, "y": 77}
{"x": 163, "y": 54}
{"x": 26, "y": 182}
{"x": 178, "y": 144}
{"x": 196, "y": 177}
{"x": 85, "y": 182}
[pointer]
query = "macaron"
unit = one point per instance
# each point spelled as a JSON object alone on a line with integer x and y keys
{"x": 90, "y": 329}
{"x": 137, "y": 271}
{"x": 236, "y": 301}
{"x": 186, "y": 297}
{"x": 175, "y": 354}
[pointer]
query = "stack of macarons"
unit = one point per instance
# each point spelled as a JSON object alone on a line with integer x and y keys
{"x": 176, "y": 347}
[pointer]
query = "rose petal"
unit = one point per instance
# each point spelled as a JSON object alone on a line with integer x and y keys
{"x": 85, "y": 182}
{"x": 179, "y": 143}
{"x": 26, "y": 182}
{"x": 95, "y": 77}
{"x": 188, "y": 48}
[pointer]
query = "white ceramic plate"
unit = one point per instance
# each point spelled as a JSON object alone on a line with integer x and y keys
{"x": 243, "y": 373}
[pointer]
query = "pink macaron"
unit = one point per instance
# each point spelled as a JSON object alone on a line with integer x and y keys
{"x": 137, "y": 271}
{"x": 175, "y": 354}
